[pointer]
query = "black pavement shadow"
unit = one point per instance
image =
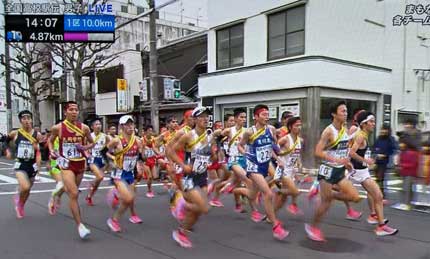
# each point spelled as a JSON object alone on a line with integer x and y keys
{"x": 333, "y": 245}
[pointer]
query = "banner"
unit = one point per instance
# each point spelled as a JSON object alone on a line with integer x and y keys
{"x": 122, "y": 96}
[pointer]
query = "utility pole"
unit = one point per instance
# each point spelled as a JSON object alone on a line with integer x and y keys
{"x": 7, "y": 76}
{"x": 153, "y": 68}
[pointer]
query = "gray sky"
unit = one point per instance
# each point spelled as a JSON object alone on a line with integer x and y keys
{"x": 192, "y": 9}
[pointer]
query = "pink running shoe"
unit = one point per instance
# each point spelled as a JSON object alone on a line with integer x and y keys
{"x": 135, "y": 219}
{"x": 150, "y": 194}
{"x": 114, "y": 225}
{"x": 239, "y": 208}
{"x": 353, "y": 215}
{"x": 182, "y": 239}
{"x": 57, "y": 202}
{"x": 294, "y": 210}
{"x": 385, "y": 230}
{"x": 19, "y": 208}
{"x": 279, "y": 232}
{"x": 52, "y": 208}
{"x": 314, "y": 233}
{"x": 256, "y": 216}
{"x": 89, "y": 201}
{"x": 216, "y": 203}
{"x": 228, "y": 188}
{"x": 313, "y": 192}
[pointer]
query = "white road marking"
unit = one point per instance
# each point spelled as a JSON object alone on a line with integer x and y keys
{"x": 82, "y": 189}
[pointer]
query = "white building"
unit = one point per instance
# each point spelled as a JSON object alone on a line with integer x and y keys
{"x": 300, "y": 55}
{"x": 133, "y": 39}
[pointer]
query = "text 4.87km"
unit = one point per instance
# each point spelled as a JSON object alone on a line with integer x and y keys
{"x": 46, "y": 36}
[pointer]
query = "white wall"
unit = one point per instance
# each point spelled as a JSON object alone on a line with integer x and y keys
{"x": 315, "y": 72}
{"x": 224, "y": 11}
{"x": 358, "y": 31}
{"x": 106, "y": 103}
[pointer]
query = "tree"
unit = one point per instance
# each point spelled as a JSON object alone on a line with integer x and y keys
{"x": 34, "y": 61}
{"x": 81, "y": 58}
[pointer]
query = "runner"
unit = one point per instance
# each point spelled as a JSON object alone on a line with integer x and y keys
{"x": 112, "y": 131}
{"x": 290, "y": 153}
{"x": 98, "y": 159}
{"x": 150, "y": 159}
{"x": 332, "y": 148}
{"x": 55, "y": 172}
{"x": 236, "y": 161}
{"x": 197, "y": 144}
{"x": 161, "y": 144}
{"x": 219, "y": 168}
{"x": 126, "y": 148}
{"x": 351, "y": 214}
{"x": 260, "y": 139}
{"x": 361, "y": 159}
{"x": 71, "y": 159}
{"x": 283, "y": 130}
{"x": 28, "y": 158}
{"x": 177, "y": 201}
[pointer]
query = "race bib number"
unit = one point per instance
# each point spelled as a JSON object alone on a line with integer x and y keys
{"x": 17, "y": 165}
{"x": 341, "y": 153}
{"x": 63, "y": 162}
{"x": 96, "y": 153}
{"x": 71, "y": 151}
{"x": 292, "y": 162}
{"x": 264, "y": 153}
{"x": 325, "y": 171}
{"x": 162, "y": 149}
{"x": 200, "y": 164}
{"x": 233, "y": 159}
{"x": 116, "y": 174}
{"x": 129, "y": 163}
{"x": 25, "y": 151}
{"x": 225, "y": 146}
{"x": 278, "y": 173}
{"x": 234, "y": 151}
{"x": 178, "y": 169}
{"x": 251, "y": 167}
{"x": 187, "y": 183}
{"x": 149, "y": 152}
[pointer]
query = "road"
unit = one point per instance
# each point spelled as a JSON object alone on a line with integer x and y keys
{"x": 220, "y": 234}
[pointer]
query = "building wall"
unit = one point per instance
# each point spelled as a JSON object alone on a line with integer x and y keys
{"x": 357, "y": 31}
{"x": 293, "y": 74}
{"x": 129, "y": 36}
{"x": 106, "y": 102}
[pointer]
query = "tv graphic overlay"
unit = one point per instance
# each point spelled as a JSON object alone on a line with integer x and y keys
{"x": 95, "y": 24}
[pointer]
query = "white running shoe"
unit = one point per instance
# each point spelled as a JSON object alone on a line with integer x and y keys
{"x": 84, "y": 232}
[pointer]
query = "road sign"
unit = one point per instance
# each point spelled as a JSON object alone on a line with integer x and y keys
{"x": 143, "y": 91}
{"x": 122, "y": 96}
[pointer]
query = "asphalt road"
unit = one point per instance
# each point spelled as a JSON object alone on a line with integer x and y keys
{"x": 220, "y": 234}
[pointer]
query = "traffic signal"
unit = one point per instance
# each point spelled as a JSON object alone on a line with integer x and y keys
{"x": 177, "y": 94}
{"x": 176, "y": 89}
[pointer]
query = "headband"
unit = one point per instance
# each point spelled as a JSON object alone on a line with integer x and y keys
{"x": 369, "y": 117}
{"x": 258, "y": 111}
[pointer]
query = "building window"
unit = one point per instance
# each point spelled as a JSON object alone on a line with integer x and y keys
{"x": 124, "y": 8}
{"x": 140, "y": 10}
{"x": 286, "y": 33}
{"x": 230, "y": 47}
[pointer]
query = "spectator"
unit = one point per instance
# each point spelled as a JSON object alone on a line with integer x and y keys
{"x": 385, "y": 147}
{"x": 410, "y": 148}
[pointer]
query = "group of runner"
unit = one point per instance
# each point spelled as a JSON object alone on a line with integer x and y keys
{"x": 256, "y": 164}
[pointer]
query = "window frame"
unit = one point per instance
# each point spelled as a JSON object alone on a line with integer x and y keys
{"x": 229, "y": 28}
{"x": 286, "y": 55}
